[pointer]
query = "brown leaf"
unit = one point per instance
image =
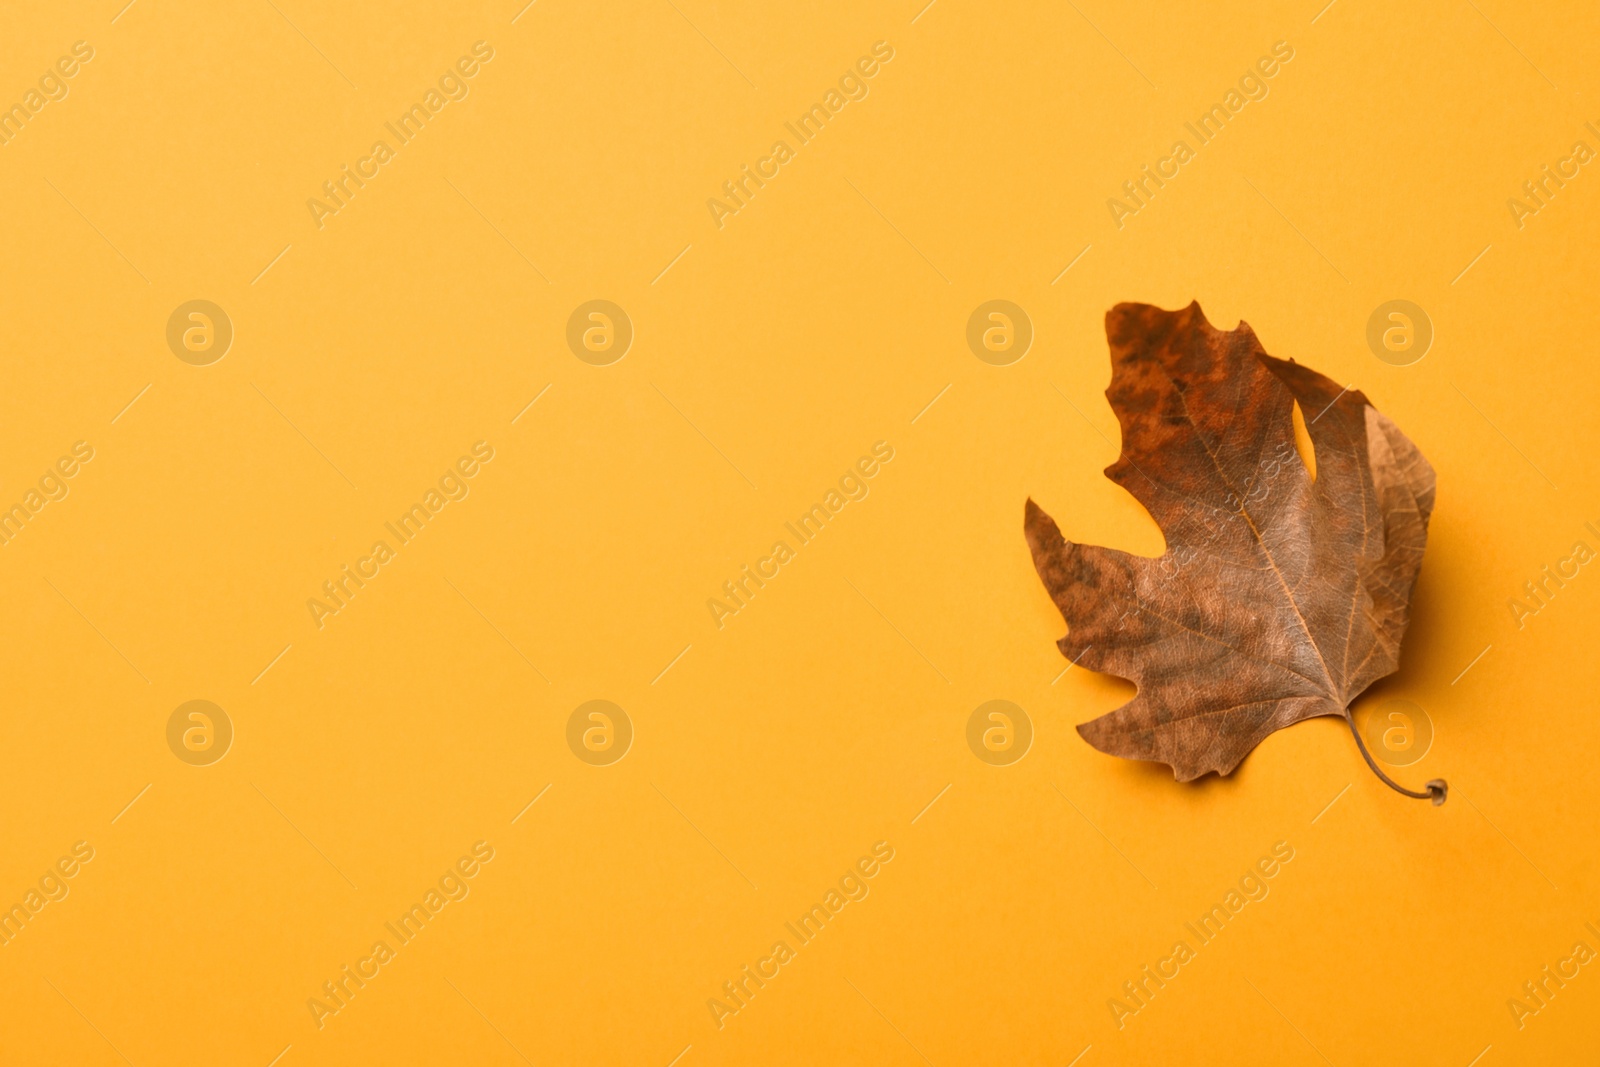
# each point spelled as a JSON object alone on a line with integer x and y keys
{"x": 1279, "y": 597}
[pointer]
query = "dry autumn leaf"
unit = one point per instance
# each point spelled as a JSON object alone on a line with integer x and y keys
{"x": 1281, "y": 595}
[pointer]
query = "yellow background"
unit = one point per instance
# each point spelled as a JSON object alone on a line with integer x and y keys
{"x": 830, "y": 712}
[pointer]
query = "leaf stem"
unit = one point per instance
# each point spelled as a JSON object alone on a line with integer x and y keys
{"x": 1435, "y": 789}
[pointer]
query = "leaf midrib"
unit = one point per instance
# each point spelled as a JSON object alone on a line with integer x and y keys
{"x": 1255, "y": 531}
